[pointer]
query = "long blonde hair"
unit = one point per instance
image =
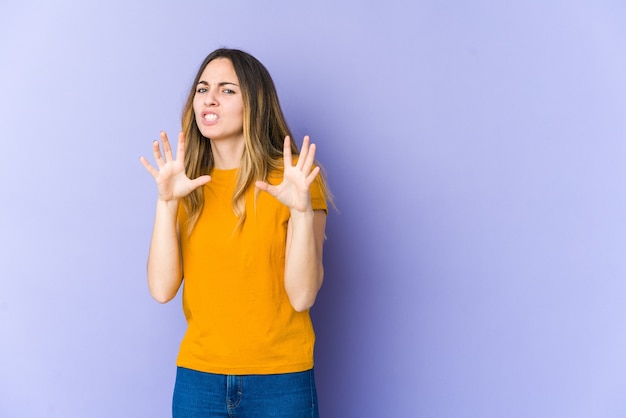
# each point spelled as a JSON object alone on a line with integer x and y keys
{"x": 264, "y": 130}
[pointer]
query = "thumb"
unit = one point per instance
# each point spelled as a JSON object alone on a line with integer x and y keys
{"x": 262, "y": 185}
{"x": 200, "y": 181}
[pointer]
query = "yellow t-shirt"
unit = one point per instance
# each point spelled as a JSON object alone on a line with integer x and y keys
{"x": 239, "y": 319}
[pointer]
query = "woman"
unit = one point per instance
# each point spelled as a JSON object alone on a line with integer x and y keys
{"x": 242, "y": 221}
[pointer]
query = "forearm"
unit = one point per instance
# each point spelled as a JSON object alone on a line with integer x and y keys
{"x": 304, "y": 271}
{"x": 164, "y": 266}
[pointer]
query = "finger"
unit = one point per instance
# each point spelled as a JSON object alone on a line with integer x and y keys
{"x": 266, "y": 187}
{"x": 200, "y": 181}
{"x": 156, "y": 150}
{"x": 287, "y": 152}
{"x": 311, "y": 177}
{"x": 261, "y": 185}
{"x": 180, "y": 150}
{"x": 303, "y": 152}
{"x": 310, "y": 159}
{"x": 167, "y": 148}
{"x": 153, "y": 171}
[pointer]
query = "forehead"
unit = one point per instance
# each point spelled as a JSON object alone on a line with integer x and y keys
{"x": 219, "y": 70}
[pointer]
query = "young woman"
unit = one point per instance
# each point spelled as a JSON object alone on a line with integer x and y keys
{"x": 240, "y": 222}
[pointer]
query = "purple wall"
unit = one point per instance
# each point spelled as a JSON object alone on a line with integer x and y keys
{"x": 476, "y": 150}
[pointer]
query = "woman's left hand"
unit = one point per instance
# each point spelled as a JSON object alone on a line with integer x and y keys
{"x": 293, "y": 191}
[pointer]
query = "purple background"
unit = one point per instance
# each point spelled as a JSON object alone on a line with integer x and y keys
{"x": 476, "y": 150}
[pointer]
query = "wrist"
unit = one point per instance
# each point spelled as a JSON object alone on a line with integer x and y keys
{"x": 168, "y": 205}
{"x": 303, "y": 215}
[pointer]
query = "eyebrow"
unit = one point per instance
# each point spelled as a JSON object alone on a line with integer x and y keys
{"x": 223, "y": 83}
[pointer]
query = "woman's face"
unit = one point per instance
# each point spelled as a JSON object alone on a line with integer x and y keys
{"x": 218, "y": 103}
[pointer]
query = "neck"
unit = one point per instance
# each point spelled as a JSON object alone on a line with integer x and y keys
{"x": 227, "y": 154}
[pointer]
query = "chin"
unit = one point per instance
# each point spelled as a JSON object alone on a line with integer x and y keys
{"x": 207, "y": 133}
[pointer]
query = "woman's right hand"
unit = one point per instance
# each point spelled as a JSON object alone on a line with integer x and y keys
{"x": 171, "y": 179}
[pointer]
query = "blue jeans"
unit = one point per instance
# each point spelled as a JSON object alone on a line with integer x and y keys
{"x": 289, "y": 395}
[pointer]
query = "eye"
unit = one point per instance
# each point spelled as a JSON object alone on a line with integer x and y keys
{"x": 229, "y": 91}
{"x": 201, "y": 90}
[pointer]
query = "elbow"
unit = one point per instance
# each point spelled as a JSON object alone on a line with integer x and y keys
{"x": 303, "y": 299}
{"x": 302, "y": 304}
{"x": 163, "y": 287}
{"x": 161, "y": 297}
{"x": 162, "y": 294}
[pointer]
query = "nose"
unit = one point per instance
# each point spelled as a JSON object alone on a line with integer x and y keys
{"x": 209, "y": 98}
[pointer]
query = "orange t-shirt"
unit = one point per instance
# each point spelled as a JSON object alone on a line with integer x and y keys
{"x": 239, "y": 318}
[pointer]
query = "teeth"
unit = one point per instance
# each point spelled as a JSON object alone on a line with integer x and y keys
{"x": 210, "y": 116}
